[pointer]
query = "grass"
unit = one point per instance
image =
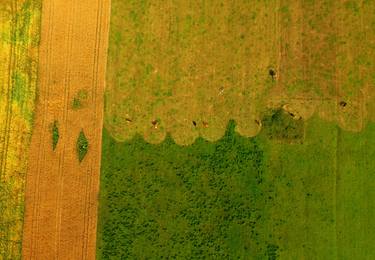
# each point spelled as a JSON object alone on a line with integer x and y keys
{"x": 298, "y": 190}
{"x": 187, "y": 56}
{"x": 245, "y": 198}
{"x": 356, "y": 190}
{"x": 212, "y": 59}
{"x": 19, "y": 40}
{"x": 82, "y": 146}
{"x": 168, "y": 201}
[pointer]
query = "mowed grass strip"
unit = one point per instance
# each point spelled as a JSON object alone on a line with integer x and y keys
{"x": 209, "y": 62}
{"x": 19, "y": 39}
{"x": 184, "y": 61}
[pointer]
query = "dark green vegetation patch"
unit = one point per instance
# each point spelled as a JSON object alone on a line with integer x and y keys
{"x": 79, "y": 100}
{"x": 82, "y": 146}
{"x": 55, "y": 134}
{"x": 283, "y": 126}
{"x": 240, "y": 198}
{"x": 76, "y": 103}
{"x": 192, "y": 202}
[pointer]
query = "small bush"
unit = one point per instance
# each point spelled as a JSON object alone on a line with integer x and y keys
{"x": 55, "y": 135}
{"x": 281, "y": 125}
{"x": 82, "y": 146}
{"x": 79, "y": 100}
{"x": 272, "y": 252}
{"x": 76, "y": 104}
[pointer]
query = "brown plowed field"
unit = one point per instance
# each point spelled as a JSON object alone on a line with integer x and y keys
{"x": 61, "y": 192}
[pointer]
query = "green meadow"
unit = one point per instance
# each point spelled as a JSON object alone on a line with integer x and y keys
{"x": 291, "y": 177}
{"x": 240, "y": 198}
